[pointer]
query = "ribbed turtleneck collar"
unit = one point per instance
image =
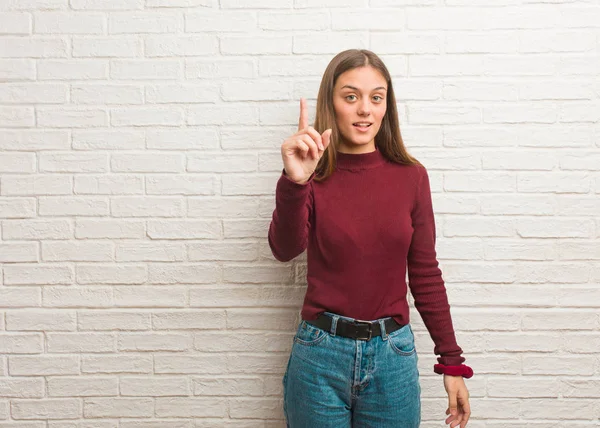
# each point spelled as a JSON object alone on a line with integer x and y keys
{"x": 356, "y": 161}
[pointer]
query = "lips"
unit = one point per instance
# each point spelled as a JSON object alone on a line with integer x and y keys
{"x": 363, "y": 127}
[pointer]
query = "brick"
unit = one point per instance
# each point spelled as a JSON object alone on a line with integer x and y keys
{"x": 80, "y": 342}
{"x": 17, "y": 69}
{"x": 118, "y": 407}
{"x": 68, "y": 23}
{"x": 15, "y": 23}
{"x": 75, "y": 297}
{"x": 197, "y": 184}
{"x": 114, "y": 229}
{"x": 17, "y": 163}
{"x": 71, "y": 117}
{"x": 73, "y": 206}
{"x": 108, "y": 139}
{"x": 72, "y": 70}
{"x": 182, "y": 93}
{"x": 34, "y": 140}
{"x": 47, "y": 409}
{"x": 43, "y": 365}
{"x": 156, "y": 387}
{"x": 302, "y": 20}
{"x": 216, "y": 250}
{"x": 181, "y": 46}
{"x": 117, "y": 363}
{"x": 259, "y": 45}
{"x": 21, "y": 185}
{"x": 163, "y": 252}
{"x": 147, "y": 206}
{"x": 31, "y": 274}
{"x": 73, "y": 162}
{"x": 210, "y": 20}
{"x": 21, "y": 343}
{"x": 106, "y": 94}
{"x": 184, "y": 229}
{"x": 22, "y": 388}
{"x": 218, "y": 68}
{"x": 257, "y": 90}
{"x": 192, "y": 138}
{"x": 107, "y": 47}
{"x": 36, "y": 229}
{"x": 111, "y": 274}
{"x": 109, "y": 184}
{"x": 157, "y": 342}
{"x": 102, "y": 5}
{"x": 38, "y": 47}
{"x": 113, "y": 320}
{"x": 228, "y": 386}
{"x": 189, "y": 319}
{"x": 17, "y": 117}
{"x": 222, "y": 114}
{"x": 154, "y": 296}
{"x": 145, "y": 22}
{"x": 130, "y": 69}
{"x": 21, "y": 252}
{"x": 33, "y": 4}
{"x": 77, "y": 251}
{"x": 147, "y": 162}
{"x": 191, "y": 407}
{"x": 147, "y": 116}
{"x": 26, "y": 320}
{"x": 82, "y": 386}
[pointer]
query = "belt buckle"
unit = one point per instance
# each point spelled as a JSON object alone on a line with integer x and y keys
{"x": 370, "y": 324}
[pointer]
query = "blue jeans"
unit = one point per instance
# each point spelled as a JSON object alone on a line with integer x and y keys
{"x": 338, "y": 382}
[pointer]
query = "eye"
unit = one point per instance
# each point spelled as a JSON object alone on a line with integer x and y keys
{"x": 349, "y": 96}
{"x": 377, "y": 96}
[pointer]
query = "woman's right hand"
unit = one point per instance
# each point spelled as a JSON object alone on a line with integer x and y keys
{"x": 301, "y": 152}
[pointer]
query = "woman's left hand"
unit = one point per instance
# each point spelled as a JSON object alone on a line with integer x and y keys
{"x": 458, "y": 401}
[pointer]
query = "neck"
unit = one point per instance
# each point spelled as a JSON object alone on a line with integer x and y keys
{"x": 357, "y": 149}
{"x": 358, "y": 161}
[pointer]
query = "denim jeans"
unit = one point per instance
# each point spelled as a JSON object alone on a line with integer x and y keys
{"x": 338, "y": 382}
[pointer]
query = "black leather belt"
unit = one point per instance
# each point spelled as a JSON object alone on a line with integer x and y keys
{"x": 357, "y": 329}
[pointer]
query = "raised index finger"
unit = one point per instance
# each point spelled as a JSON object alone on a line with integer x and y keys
{"x": 303, "y": 122}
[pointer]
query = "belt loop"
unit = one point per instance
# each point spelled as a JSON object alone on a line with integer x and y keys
{"x": 334, "y": 320}
{"x": 383, "y": 332}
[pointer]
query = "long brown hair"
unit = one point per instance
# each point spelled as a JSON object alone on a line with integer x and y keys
{"x": 388, "y": 139}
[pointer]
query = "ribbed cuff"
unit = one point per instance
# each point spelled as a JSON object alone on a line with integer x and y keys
{"x": 289, "y": 180}
{"x": 462, "y": 370}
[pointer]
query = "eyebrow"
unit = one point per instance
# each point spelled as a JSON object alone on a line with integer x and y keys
{"x": 356, "y": 89}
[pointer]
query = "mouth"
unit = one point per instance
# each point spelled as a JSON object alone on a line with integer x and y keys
{"x": 362, "y": 126}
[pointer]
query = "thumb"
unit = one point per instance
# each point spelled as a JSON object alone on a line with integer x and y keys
{"x": 326, "y": 138}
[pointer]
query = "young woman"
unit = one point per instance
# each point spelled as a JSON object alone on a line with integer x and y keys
{"x": 352, "y": 196}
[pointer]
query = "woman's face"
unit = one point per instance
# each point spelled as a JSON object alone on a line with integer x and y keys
{"x": 359, "y": 97}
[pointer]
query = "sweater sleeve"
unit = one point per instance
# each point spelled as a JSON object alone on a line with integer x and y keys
{"x": 288, "y": 231}
{"x": 425, "y": 278}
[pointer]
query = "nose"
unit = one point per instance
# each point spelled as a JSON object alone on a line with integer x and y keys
{"x": 363, "y": 107}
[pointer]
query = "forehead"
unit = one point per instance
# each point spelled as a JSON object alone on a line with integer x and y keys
{"x": 364, "y": 78}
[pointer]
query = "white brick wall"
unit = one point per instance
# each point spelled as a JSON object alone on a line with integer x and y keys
{"x": 139, "y": 151}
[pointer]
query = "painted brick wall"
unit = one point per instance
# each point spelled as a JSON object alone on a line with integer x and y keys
{"x": 139, "y": 151}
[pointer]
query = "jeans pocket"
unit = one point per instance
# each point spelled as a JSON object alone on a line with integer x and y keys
{"x": 309, "y": 335}
{"x": 402, "y": 341}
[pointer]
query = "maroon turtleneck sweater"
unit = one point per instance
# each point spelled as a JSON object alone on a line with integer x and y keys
{"x": 363, "y": 228}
